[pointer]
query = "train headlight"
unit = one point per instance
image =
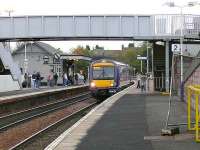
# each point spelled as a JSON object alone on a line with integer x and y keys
{"x": 92, "y": 84}
{"x": 113, "y": 84}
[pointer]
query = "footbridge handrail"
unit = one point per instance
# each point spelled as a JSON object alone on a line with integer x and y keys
{"x": 101, "y": 27}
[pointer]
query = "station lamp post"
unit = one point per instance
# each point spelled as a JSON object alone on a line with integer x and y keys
{"x": 140, "y": 63}
{"x": 25, "y": 59}
{"x": 134, "y": 71}
{"x": 9, "y": 11}
{"x": 189, "y": 4}
{"x": 148, "y": 47}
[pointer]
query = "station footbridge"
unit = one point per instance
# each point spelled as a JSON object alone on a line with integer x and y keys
{"x": 152, "y": 28}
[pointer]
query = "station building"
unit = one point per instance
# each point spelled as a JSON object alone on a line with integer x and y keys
{"x": 41, "y": 57}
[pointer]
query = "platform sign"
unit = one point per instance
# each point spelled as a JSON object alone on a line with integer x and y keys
{"x": 57, "y": 56}
{"x": 141, "y": 58}
{"x": 176, "y": 48}
{"x": 188, "y": 49}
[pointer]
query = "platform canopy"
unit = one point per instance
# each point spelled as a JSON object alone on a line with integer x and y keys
{"x": 75, "y": 57}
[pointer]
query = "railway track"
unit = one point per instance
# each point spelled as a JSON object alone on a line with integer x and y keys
{"x": 16, "y": 103}
{"x": 12, "y": 135}
{"x": 14, "y": 119}
{"x": 50, "y": 128}
{"x": 21, "y": 129}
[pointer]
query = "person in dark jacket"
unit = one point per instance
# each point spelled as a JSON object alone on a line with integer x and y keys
{"x": 34, "y": 80}
{"x": 25, "y": 82}
{"x": 38, "y": 78}
{"x": 76, "y": 79}
{"x": 55, "y": 77}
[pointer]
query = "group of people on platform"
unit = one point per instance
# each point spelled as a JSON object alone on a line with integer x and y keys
{"x": 78, "y": 79}
{"x": 34, "y": 80}
{"x": 141, "y": 82}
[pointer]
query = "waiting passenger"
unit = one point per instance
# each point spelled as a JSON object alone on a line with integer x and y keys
{"x": 55, "y": 77}
{"x": 138, "y": 80}
{"x": 29, "y": 80}
{"x": 143, "y": 83}
{"x": 25, "y": 81}
{"x": 65, "y": 79}
{"x": 34, "y": 80}
{"x": 80, "y": 79}
{"x": 38, "y": 78}
{"x": 49, "y": 79}
{"x": 84, "y": 77}
{"x": 76, "y": 78}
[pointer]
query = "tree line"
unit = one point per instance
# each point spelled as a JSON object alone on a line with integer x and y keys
{"x": 128, "y": 56}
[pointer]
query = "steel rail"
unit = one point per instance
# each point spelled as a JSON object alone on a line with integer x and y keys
{"x": 52, "y": 125}
{"x": 39, "y": 111}
{"x": 26, "y": 110}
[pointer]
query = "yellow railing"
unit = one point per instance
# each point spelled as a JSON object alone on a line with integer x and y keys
{"x": 194, "y": 90}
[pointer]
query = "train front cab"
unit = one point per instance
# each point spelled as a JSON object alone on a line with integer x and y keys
{"x": 103, "y": 79}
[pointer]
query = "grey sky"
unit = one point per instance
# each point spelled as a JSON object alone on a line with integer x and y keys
{"x": 67, "y": 7}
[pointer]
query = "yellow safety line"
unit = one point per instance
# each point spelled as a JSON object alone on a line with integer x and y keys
{"x": 164, "y": 93}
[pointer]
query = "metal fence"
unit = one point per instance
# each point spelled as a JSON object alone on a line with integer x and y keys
{"x": 193, "y": 94}
{"x": 170, "y": 25}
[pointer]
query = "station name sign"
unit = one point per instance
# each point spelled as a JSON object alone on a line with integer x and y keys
{"x": 141, "y": 58}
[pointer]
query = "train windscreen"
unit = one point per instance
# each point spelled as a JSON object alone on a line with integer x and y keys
{"x": 103, "y": 73}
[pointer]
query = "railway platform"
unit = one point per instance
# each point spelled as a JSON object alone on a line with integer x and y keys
{"x": 129, "y": 120}
{"x": 11, "y": 96}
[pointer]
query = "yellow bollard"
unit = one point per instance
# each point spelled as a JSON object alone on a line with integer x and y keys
{"x": 189, "y": 108}
{"x": 194, "y": 90}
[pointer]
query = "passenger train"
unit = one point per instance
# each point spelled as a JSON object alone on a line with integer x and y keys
{"x": 108, "y": 76}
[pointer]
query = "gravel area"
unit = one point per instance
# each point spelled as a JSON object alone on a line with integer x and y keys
{"x": 17, "y": 134}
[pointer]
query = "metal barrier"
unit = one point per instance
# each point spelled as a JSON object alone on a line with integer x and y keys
{"x": 170, "y": 25}
{"x": 194, "y": 91}
{"x": 159, "y": 83}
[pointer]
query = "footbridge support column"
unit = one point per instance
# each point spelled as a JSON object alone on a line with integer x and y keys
{"x": 167, "y": 65}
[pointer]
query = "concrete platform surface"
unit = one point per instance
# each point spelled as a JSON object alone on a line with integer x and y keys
{"x": 29, "y": 91}
{"x": 129, "y": 120}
